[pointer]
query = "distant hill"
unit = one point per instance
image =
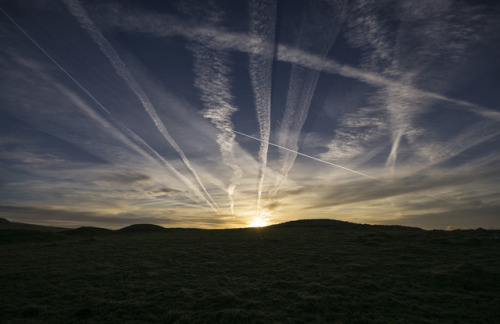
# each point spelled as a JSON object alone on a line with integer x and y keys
{"x": 341, "y": 225}
{"x": 87, "y": 231}
{"x": 6, "y": 224}
{"x": 141, "y": 228}
{"x": 331, "y": 223}
{"x": 148, "y": 228}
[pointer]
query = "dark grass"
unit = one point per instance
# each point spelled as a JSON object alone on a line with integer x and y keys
{"x": 323, "y": 272}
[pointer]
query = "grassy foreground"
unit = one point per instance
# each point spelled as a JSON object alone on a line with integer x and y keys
{"x": 299, "y": 272}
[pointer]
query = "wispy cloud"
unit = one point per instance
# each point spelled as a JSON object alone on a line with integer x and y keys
{"x": 162, "y": 25}
{"x": 360, "y": 191}
{"x": 431, "y": 38}
{"x": 355, "y": 133}
{"x": 66, "y": 217}
{"x": 80, "y": 13}
{"x": 263, "y": 26}
{"x": 395, "y": 135}
{"x": 133, "y": 141}
{"x": 404, "y": 101}
{"x": 311, "y": 157}
{"x": 101, "y": 140}
{"x": 212, "y": 68}
{"x": 125, "y": 177}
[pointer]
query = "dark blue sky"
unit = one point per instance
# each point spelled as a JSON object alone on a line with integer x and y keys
{"x": 231, "y": 113}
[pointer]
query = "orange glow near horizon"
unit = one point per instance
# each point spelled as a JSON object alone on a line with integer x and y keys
{"x": 258, "y": 222}
{"x": 261, "y": 220}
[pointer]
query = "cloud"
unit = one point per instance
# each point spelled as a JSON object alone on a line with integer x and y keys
{"x": 430, "y": 41}
{"x": 350, "y": 192}
{"x": 80, "y": 13}
{"x": 272, "y": 205}
{"x": 212, "y": 68}
{"x": 163, "y": 25}
{"x": 70, "y": 118}
{"x": 112, "y": 160}
{"x": 404, "y": 90}
{"x": 433, "y": 150}
{"x": 309, "y": 157}
{"x": 132, "y": 140}
{"x": 66, "y": 217}
{"x": 263, "y": 26}
{"x": 125, "y": 177}
{"x": 459, "y": 218}
{"x": 62, "y": 122}
{"x": 165, "y": 192}
{"x": 356, "y": 132}
{"x": 69, "y": 218}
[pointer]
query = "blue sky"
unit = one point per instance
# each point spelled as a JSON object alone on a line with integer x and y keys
{"x": 219, "y": 114}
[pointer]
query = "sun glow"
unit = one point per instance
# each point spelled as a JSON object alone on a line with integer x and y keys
{"x": 261, "y": 220}
{"x": 258, "y": 222}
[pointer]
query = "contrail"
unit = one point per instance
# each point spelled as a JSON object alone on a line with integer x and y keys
{"x": 54, "y": 61}
{"x": 391, "y": 160}
{"x": 136, "y": 143}
{"x": 167, "y": 26}
{"x": 186, "y": 181}
{"x": 320, "y": 27}
{"x": 333, "y": 164}
{"x": 211, "y": 70}
{"x": 95, "y": 33}
{"x": 312, "y": 157}
{"x": 100, "y": 105}
{"x": 262, "y": 24}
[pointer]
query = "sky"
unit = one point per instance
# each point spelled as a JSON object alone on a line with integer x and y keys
{"x": 223, "y": 114}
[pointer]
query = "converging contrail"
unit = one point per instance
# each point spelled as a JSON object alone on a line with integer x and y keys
{"x": 312, "y": 157}
{"x": 321, "y": 22}
{"x": 262, "y": 24}
{"x": 99, "y": 104}
{"x": 95, "y": 33}
{"x": 138, "y": 144}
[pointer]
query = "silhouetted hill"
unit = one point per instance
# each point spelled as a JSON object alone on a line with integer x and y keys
{"x": 87, "y": 231}
{"x": 142, "y": 228}
{"x": 308, "y": 271}
{"x": 342, "y": 225}
{"x": 6, "y": 224}
{"x": 331, "y": 223}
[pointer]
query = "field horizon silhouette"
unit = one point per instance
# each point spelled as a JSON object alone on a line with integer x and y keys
{"x": 305, "y": 271}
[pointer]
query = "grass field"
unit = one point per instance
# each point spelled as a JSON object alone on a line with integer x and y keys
{"x": 299, "y": 272}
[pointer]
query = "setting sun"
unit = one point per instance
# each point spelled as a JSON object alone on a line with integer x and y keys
{"x": 258, "y": 222}
{"x": 261, "y": 220}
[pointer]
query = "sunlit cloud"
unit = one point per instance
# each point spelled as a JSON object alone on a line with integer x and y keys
{"x": 212, "y": 67}
{"x": 79, "y": 12}
{"x": 191, "y": 114}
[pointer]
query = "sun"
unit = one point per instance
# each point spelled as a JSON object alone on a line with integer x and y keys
{"x": 258, "y": 222}
{"x": 262, "y": 220}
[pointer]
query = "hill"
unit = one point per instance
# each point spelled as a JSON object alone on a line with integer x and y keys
{"x": 330, "y": 223}
{"x": 87, "y": 231}
{"x": 309, "y": 271}
{"x": 142, "y": 228}
{"x": 6, "y": 224}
